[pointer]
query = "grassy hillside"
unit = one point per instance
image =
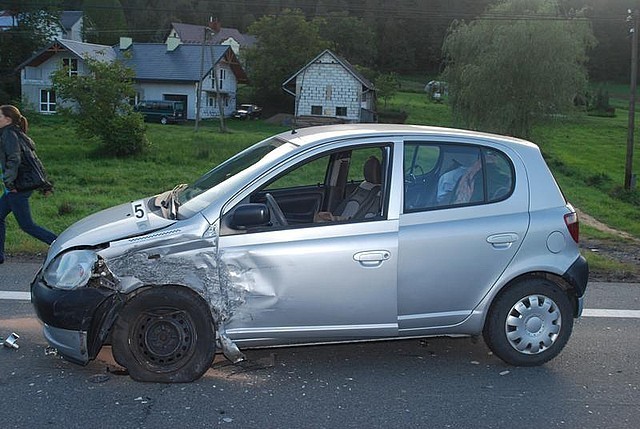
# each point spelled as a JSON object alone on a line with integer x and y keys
{"x": 586, "y": 154}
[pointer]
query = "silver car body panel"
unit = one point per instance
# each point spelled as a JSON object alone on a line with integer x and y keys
{"x": 320, "y": 284}
{"x": 105, "y": 226}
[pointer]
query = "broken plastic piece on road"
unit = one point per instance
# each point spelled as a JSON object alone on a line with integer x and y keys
{"x": 50, "y": 351}
{"x": 11, "y": 342}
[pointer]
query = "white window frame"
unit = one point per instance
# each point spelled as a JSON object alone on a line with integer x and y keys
{"x": 71, "y": 65}
{"x": 223, "y": 76}
{"x": 46, "y": 105}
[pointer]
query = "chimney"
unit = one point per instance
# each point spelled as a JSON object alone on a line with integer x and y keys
{"x": 214, "y": 25}
{"x": 125, "y": 43}
{"x": 172, "y": 43}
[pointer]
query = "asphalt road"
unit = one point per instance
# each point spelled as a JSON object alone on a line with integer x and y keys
{"x": 433, "y": 383}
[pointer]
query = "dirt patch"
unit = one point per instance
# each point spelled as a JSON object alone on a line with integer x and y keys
{"x": 623, "y": 248}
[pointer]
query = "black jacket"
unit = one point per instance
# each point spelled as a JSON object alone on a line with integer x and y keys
{"x": 10, "y": 155}
{"x": 21, "y": 168}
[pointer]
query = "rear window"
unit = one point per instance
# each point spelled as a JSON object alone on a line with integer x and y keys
{"x": 441, "y": 175}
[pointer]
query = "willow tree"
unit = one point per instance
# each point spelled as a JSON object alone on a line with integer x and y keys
{"x": 517, "y": 63}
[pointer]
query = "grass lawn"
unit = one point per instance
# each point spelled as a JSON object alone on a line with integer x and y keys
{"x": 86, "y": 182}
{"x": 586, "y": 154}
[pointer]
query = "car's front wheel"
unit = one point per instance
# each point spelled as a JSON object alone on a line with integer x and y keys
{"x": 529, "y": 323}
{"x": 166, "y": 335}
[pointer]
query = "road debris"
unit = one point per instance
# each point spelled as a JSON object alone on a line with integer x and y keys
{"x": 12, "y": 341}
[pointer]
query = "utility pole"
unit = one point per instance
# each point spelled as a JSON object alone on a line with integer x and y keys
{"x": 632, "y": 19}
{"x": 216, "y": 85}
{"x": 199, "y": 84}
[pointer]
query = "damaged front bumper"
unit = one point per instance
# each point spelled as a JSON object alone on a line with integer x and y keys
{"x": 77, "y": 322}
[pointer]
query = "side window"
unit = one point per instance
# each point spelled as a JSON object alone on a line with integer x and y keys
{"x": 309, "y": 174}
{"x": 345, "y": 185}
{"x": 358, "y": 159}
{"x": 500, "y": 181}
{"x": 420, "y": 159}
{"x": 454, "y": 175}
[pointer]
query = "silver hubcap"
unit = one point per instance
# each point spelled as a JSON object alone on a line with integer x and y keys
{"x": 533, "y": 324}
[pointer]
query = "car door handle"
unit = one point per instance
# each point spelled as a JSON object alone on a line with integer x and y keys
{"x": 372, "y": 258}
{"x": 502, "y": 241}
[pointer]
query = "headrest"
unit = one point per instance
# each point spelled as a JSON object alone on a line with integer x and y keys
{"x": 372, "y": 170}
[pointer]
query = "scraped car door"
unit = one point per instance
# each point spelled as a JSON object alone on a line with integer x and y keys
{"x": 316, "y": 281}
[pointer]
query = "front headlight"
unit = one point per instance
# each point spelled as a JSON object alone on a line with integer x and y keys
{"x": 70, "y": 270}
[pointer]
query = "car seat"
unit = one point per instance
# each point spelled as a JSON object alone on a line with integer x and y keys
{"x": 364, "y": 201}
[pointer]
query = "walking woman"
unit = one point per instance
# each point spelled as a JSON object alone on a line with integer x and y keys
{"x": 17, "y": 176}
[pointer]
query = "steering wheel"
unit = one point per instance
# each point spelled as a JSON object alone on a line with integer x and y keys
{"x": 275, "y": 210}
{"x": 411, "y": 176}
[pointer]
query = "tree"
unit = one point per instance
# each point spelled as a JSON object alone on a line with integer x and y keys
{"x": 386, "y": 86}
{"x": 101, "y": 105}
{"x": 504, "y": 73}
{"x": 34, "y": 26}
{"x": 285, "y": 44}
{"x": 107, "y": 21}
{"x": 349, "y": 37}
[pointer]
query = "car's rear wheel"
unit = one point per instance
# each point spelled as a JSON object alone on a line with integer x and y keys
{"x": 165, "y": 334}
{"x": 529, "y": 323}
{"x": 164, "y": 120}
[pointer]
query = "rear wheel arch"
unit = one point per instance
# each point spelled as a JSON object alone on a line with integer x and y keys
{"x": 558, "y": 280}
{"x": 530, "y": 320}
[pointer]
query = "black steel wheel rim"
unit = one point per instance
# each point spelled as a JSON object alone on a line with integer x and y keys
{"x": 163, "y": 340}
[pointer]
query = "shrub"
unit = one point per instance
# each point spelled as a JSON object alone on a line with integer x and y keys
{"x": 600, "y": 105}
{"x": 98, "y": 104}
{"x": 392, "y": 116}
{"x": 126, "y": 135}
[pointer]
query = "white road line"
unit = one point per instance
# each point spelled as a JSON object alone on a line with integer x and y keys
{"x": 15, "y": 296}
{"x": 616, "y": 314}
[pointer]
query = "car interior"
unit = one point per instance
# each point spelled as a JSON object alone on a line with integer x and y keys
{"x": 443, "y": 175}
{"x": 345, "y": 186}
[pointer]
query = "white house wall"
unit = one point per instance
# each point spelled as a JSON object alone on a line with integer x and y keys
{"x": 329, "y": 86}
{"x": 157, "y": 91}
{"x": 35, "y": 79}
{"x": 209, "y": 104}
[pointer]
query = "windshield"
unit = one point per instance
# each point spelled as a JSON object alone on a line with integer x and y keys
{"x": 261, "y": 152}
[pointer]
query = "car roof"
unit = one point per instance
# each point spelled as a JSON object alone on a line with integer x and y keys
{"x": 315, "y": 135}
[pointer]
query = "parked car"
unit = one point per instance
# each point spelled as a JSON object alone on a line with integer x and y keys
{"x": 162, "y": 111}
{"x": 324, "y": 234}
{"x": 248, "y": 111}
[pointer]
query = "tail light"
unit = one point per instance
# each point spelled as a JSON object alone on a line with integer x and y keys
{"x": 573, "y": 225}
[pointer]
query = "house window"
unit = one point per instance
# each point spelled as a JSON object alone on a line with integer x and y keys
{"x": 316, "y": 110}
{"x": 223, "y": 76}
{"x": 71, "y": 65}
{"x": 341, "y": 111}
{"x": 328, "y": 92}
{"x": 211, "y": 101}
{"x": 47, "y": 101}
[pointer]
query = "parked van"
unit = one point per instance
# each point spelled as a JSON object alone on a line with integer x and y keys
{"x": 162, "y": 111}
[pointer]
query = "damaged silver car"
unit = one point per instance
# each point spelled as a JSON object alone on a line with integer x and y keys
{"x": 324, "y": 234}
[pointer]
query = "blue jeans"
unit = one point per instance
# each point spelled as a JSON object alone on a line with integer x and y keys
{"x": 18, "y": 203}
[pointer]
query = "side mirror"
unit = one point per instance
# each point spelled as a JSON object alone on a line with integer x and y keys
{"x": 250, "y": 215}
